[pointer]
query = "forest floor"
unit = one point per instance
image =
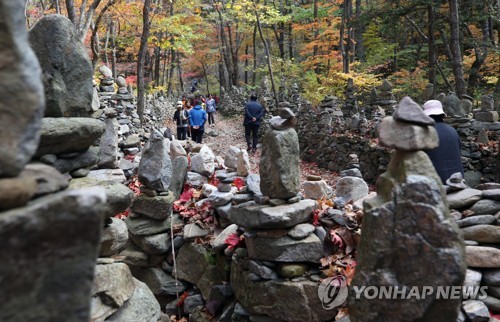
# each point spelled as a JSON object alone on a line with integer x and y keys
{"x": 231, "y": 132}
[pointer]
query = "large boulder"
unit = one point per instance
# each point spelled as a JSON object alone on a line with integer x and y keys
{"x": 255, "y": 216}
{"x": 155, "y": 168}
{"x": 118, "y": 196}
{"x": 203, "y": 162}
{"x": 21, "y": 91}
{"x": 67, "y": 71}
{"x": 408, "y": 239}
{"x": 114, "y": 237}
{"x": 142, "y": 306}
{"x": 109, "y": 145}
{"x": 281, "y": 300}
{"x": 279, "y": 164}
{"x": 49, "y": 250}
{"x": 67, "y": 135}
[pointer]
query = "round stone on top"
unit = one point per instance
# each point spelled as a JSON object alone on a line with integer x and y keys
{"x": 405, "y": 136}
{"x": 411, "y": 112}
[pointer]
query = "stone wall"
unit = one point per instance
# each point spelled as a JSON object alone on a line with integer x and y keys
{"x": 328, "y": 140}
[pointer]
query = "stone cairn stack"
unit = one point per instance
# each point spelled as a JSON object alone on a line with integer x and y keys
{"x": 351, "y": 103}
{"x": 50, "y": 235}
{"x": 383, "y": 97}
{"x": 487, "y": 112}
{"x": 279, "y": 241}
{"x": 409, "y": 238}
{"x": 477, "y": 213}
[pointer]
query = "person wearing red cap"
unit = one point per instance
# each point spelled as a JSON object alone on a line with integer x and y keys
{"x": 446, "y": 158}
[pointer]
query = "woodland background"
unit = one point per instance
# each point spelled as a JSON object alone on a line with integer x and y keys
{"x": 166, "y": 44}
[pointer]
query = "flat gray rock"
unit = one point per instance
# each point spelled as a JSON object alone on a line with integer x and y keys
{"x": 179, "y": 173}
{"x": 351, "y": 188}
{"x": 409, "y": 111}
{"x": 153, "y": 244}
{"x": 218, "y": 242}
{"x": 285, "y": 249}
{"x": 118, "y": 196}
{"x": 476, "y": 220}
{"x": 493, "y": 194}
{"x": 255, "y": 216}
{"x": 491, "y": 277}
{"x": 463, "y": 198}
{"x": 486, "y": 207}
{"x": 159, "y": 207}
{"x": 301, "y": 231}
{"x": 476, "y": 311}
{"x": 192, "y": 231}
{"x": 405, "y": 136}
{"x": 144, "y": 226}
{"x": 68, "y": 134}
{"x": 482, "y": 256}
{"x": 482, "y": 233}
{"x": 108, "y": 175}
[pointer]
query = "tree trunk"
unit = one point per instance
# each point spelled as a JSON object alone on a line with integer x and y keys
{"x": 268, "y": 56}
{"x": 254, "y": 40}
{"x": 316, "y": 34}
{"x": 171, "y": 71}
{"x": 290, "y": 35}
{"x": 480, "y": 52}
{"x": 106, "y": 45}
{"x": 360, "y": 50}
{"x": 431, "y": 43}
{"x": 342, "y": 47}
{"x": 156, "y": 75}
{"x": 70, "y": 8}
{"x": 141, "y": 59}
{"x": 246, "y": 64}
{"x": 455, "y": 49}
{"x": 112, "y": 28}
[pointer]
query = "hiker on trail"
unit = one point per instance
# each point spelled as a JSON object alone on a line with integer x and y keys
{"x": 253, "y": 115}
{"x": 446, "y": 158}
{"x": 197, "y": 119}
{"x": 211, "y": 108}
{"x": 188, "y": 107}
{"x": 181, "y": 118}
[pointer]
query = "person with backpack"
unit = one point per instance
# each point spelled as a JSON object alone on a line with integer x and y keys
{"x": 211, "y": 109}
{"x": 197, "y": 119}
{"x": 253, "y": 115}
{"x": 181, "y": 118}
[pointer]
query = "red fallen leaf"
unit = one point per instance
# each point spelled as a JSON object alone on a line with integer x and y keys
{"x": 316, "y": 217}
{"x": 123, "y": 214}
{"x": 233, "y": 240}
{"x": 238, "y": 183}
{"x": 186, "y": 195}
{"x": 213, "y": 180}
{"x": 182, "y": 298}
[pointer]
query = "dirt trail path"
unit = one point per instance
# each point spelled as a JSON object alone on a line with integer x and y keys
{"x": 231, "y": 132}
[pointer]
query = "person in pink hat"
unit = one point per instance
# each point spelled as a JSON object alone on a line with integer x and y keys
{"x": 446, "y": 158}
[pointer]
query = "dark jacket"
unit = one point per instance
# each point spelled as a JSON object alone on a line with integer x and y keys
{"x": 253, "y": 109}
{"x": 446, "y": 158}
{"x": 178, "y": 119}
{"x": 197, "y": 116}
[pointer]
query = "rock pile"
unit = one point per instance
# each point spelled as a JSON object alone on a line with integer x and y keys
{"x": 351, "y": 103}
{"x": 67, "y": 71}
{"x": 50, "y": 236}
{"x": 476, "y": 212}
{"x": 384, "y": 97}
{"x": 408, "y": 236}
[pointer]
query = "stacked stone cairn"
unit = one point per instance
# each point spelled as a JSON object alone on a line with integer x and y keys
{"x": 383, "y": 97}
{"x": 351, "y": 102}
{"x": 280, "y": 245}
{"x": 409, "y": 238}
{"x": 477, "y": 213}
{"x": 50, "y": 235}
{"x": 487, "y": 112}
